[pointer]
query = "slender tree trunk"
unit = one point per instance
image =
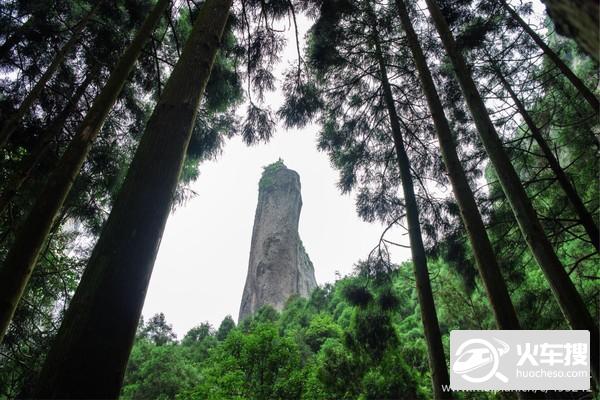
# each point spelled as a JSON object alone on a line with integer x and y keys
{"x": 571, "y": 303}
{"x": 579, "y": 85}
{"x": 433, "y": 336}
{"x": 89, "y": 356}
{"x": 504, "y": 311}
{"x": 27, "y": 165}
{"x": 585, "y": 217}
{"x": 14, "y": 120}
{"x": 489, "y": 270}
{"x": 32, "y": 235}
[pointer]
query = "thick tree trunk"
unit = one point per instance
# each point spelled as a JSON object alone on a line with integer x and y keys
{"x": 431, "y": 328}
{"x": 575, "y": 81}
{"x": 12, "y": 123}
{"x": 571, "y": 303}
{"x": 578, "y": 19}
{"x": 89, "y": 356}
{"x": 504, "y": 311}
{"x": 585, "y": 217}
{"x": 32, "y": 235}
{"x": 27, "y": 165}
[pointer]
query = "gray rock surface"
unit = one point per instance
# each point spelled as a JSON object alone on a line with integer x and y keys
{"x": 279, "y": 266}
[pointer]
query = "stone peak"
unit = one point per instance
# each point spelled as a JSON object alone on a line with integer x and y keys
{"x": 278, "y": 266}
{"x": 278, "y": 174}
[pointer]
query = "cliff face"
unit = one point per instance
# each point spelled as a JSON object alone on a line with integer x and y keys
{"x": 279, "y": 266}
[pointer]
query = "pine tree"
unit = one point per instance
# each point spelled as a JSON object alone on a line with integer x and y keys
{"x": 489, "y": 270}
{"x": 12, "y": 123}
{"x": 585, "y": 217}
{"x": 571, "y": 303}
{"x": 51, "y": 132}
{"x": 585, "y": 92}
{"x": 89, "y": 356}
{"x": 433, "y": 337}
{"x": 24, "y": 252}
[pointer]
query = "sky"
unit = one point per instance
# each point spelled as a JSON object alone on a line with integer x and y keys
{"x": 201, "y": 267}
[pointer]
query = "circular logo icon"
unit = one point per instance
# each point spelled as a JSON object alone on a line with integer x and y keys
{"x": 477, "y": 360}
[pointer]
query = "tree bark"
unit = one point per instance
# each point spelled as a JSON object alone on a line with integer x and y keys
{"x": 571, "y": 303}
{"x": 89, "y": 355}
{"x": 585, "y": 217}
{"x": 578, "y": 19}
{"x": 431, "y": 328}
{"x": 14, "y": 120}
{"x": 575, "y": 81}
{"x": 27, "y": 165}
{"x": 32, "y": 235}
{"x": 489, "y": 270}
{"x": 504, "y": 311}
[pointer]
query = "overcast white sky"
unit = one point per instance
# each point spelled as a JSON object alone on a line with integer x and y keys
{"x": 201, "y": 267}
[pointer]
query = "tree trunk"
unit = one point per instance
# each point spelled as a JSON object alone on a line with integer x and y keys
{"x": 578, "y": 19}
{"x": 433, "y": 336}
{"x": 579, "y": 85}
{"x": 571, "y": 303}
{"x": 489, "y": 270}
{"x": 27, "y": 165}
{"x": 585, "y": 217}
{"x": 32, "y": 235}
{"x": 12, "y": 123}
{"x": 89, "y": 355}
{"x": 504, "y": 311}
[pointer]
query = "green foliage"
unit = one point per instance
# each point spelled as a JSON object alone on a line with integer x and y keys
{"x": 336, "y": 373}
{"x": 266, "y": 180}
{"x": 321, "y": 328}
{"x": 227, "y": 325}
{"x": 302, "y": 101}
{"x": 316, "y": 348}
{"x": 258, "y": 364}
{"x": 158, "y": 372}
{"x": 157, "y": 330}
{"x": 331, "y": 346}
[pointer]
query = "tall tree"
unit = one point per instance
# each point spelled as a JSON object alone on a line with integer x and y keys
{"x": 29, "y": 240}
{"x": 560, "y": 64}
{"x": 13, "y": 121}
{"x": 352, "y": 74}
{"x": 585, "y": 217}
{"x": 571, "y": 303}
{"x": 489, "y": 270}
{"x": 433, "y": 337}
{"x": 89, "y": 356}
{"x": 51, "y": 132}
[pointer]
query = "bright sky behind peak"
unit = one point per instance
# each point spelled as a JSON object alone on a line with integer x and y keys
{"x": 202, "y": 263}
